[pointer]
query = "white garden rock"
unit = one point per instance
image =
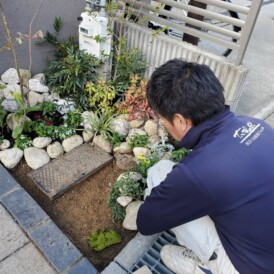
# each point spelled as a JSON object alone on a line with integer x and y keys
{"x": 41, "y": 142}
{"x": 154, "y": 139}
{"x": 36, "y": 157}
{"x": 124, "y": 161}
{"x": 5, "y": 144}
{"x": 35, "y": 98}
{"x": 10, "y": 76}
{"x": 124, "y": 200}
{"x": 72, "y": 142}
{"x": 65, "y": 106}
{"x": 11, "y": 157}
{"x": 135, "y": 131}
{"x": 120, "y": 126}
{"x": 103, "y": 143}
{"x": 131, "y": 215}
{"x": 36, "y": 85}
{"x": 124, "y": 147}
{"x": 10, "y": 105}
{"x": 151, "y": 128}
{"x": 55, "y": 150}
{"x": 123, "y": 116}
{"x": 87, "y": 135}
{"x": 13, "y": 88}
{"x": 86, "y": 117}
{"x": 136, "y": 123}
{"x": 13, "y": 123}
{"x": 41, "y": 77}
{"x": 141, "y": 151}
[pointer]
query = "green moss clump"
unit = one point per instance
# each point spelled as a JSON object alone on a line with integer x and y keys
{"x": 100, "y": 239}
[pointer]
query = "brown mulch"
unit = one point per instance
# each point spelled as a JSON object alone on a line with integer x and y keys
{"x": 81, "y": 210}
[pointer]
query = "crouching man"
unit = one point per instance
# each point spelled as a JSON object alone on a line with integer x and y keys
{"x": 219, "y": 200}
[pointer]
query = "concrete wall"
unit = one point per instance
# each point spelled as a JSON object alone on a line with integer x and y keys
{"x": 19, "y": 14}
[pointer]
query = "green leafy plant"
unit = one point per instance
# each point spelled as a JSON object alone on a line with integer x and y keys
{"x": 68, "y": 75}
{"x": 178, "y": 155}
{"x": 22, "y": 142}
{"x": 100, "y": 239}
{"x": 100, "y": 123}
{"x": 144, "y": 163}
{"x": 125, "y": 64}
{"x": 48, "y": 109}
{"x": 101, "y": 95}
{"x": 53, "y": 39}
{"x": 116, "y": 139}
{"x": 138, "y": 140}
{"x": 1, "y": 140}
{"x": 20, "y": 115}
{"x": 3, "y": 114}
{"x": 135, "y": 103}
{"x": 73, "y": 119}
{"x": 126, "y": 186}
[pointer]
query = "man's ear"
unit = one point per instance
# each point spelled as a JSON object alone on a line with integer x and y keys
{"x": 182, "y": 123}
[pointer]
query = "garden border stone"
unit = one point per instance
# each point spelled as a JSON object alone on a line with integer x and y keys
{"x": 41, "y": 230}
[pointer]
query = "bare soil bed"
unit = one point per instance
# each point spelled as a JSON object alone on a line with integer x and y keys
{"x": 81, "y": 210}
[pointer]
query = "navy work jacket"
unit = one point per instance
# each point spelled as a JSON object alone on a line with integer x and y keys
{"x": 229, "y": 175}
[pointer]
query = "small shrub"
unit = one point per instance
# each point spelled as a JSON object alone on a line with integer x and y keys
{"x": 138, "y": 140}
{"x": 101, "y": 95}
{"x": 68, "y": 75}
{"x": 3, "y": 114}
{"x": 100, "y": 239}
{"x": 125, "y": 64}
{"x": 135, "y": 103}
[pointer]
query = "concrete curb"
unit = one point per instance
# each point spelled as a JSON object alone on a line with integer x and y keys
{"x": 37, "y": 225}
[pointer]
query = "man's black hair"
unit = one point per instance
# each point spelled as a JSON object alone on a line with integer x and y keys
{"x": 189, "y": 89}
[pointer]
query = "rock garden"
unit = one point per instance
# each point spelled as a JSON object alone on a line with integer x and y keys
{"x": 48, "y": 115}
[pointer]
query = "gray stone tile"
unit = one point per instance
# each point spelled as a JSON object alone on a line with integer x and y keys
{"x": 55, "y": 245}
{"x": 7, "y": 182}
{"x": 11, "y": 235}
{"x": 84, "y": 266}
{"x": 27, "y": 260}
{"x": 134, "y": 250}
{"x": 64, "y": 172}
{"x": 114, "y": 268}
{"x": 24, "y": 209}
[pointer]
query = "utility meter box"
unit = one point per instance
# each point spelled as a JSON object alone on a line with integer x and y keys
{"x": 93, "y": 34}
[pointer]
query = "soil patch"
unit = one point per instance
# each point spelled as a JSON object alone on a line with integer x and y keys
{"x": 81, "y": 210}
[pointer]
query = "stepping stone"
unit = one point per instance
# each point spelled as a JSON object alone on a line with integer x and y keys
{"x": 62, "y": 173}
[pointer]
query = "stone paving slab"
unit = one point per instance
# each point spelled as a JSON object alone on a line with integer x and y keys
{"x": 64, "y": 172}
{"x": 26, "y": 261}
{"x": 7, "y": 182}
{"x": 56, "y": 246}
{"x": 83, "y": 267}
{"x": 11, "y": 236}
{"x": 24, "y": 209}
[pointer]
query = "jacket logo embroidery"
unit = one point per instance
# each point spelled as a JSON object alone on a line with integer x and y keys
{"x": 245, "y": 131}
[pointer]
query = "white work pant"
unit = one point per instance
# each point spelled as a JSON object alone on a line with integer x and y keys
{"x": 199, "y": 235}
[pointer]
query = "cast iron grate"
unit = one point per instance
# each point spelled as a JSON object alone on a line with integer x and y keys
{"x": 151, "y": 257}
{"x": 70, "y": 169}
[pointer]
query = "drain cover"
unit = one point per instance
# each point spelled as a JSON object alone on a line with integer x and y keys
{"x": 65, "y": 171}
{"x": 151, "y": 257}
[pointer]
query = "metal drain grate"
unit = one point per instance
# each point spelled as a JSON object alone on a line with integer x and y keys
{"x": 64, "y": 172}
{"x": 151, "y": 258}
